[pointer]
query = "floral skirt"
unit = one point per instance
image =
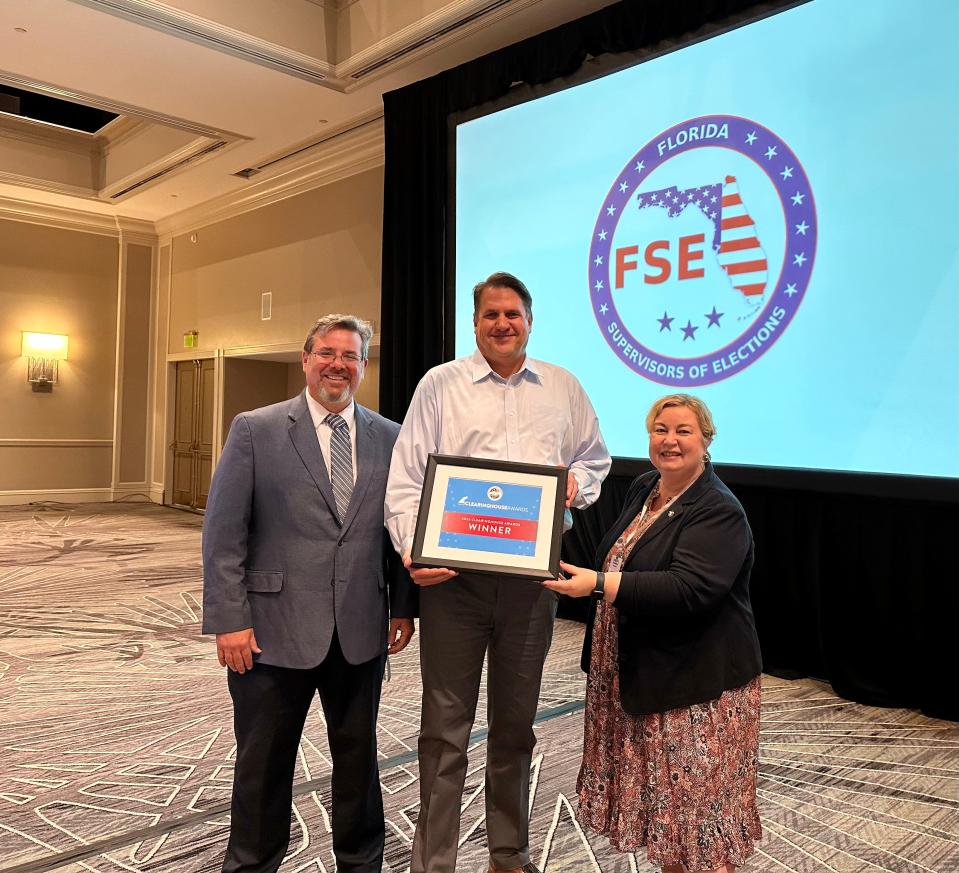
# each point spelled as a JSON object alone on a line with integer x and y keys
{"x": 681, "y": 783}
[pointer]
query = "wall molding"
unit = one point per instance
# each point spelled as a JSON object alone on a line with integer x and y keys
{"x": 71, "y": 495}
{"x": 63, "y": 217}
{"x": 115, "y": 107}
{"x": 428, "y": 34}
{"x": 67, "y": 443}
{"x": 219, "y": 37}
{"x": 32, "y": 132}
{"x": 351, "y": 152}
{"x": 330, "y": 160}
{"x": 136, "y": 230}
{"x": 49, "y": 186}
{"x": 433, "y": 32}
{"x": 123, "y": 490}
{"x": 118, "y": 132}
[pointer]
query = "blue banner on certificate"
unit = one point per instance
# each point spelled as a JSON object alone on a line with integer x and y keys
{"x": 488, "y": 516}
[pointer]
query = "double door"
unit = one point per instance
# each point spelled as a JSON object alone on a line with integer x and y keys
{"x": 193, "y": 432}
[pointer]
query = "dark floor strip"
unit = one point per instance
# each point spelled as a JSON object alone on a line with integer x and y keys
{"x": 40, "y": 865}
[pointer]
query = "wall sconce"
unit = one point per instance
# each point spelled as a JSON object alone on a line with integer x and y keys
{"x": 43, "y": 351}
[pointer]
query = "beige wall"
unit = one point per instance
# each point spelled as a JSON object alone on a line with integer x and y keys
{"x": 161, "y": 374}
{"x": 57, "y": 281}
{"x": 134, "y": 385}
{"x": 250, "y": 384}
{"x": 318, "y": 252}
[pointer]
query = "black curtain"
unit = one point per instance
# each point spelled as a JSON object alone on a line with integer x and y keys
{"x": 415, "y": 307}
{"x": 846, "y": 587}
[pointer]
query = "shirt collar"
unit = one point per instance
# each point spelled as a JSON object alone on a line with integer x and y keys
{"x": 480, "y": 367}
{"x": 318, "y": 412}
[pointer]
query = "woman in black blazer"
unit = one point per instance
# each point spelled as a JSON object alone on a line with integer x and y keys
{"x": 672, "y": 698}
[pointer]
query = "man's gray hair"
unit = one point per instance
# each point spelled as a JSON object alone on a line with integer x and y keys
{"x": 336, "y": 321}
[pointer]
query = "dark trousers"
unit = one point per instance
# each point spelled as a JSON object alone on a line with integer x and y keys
{"x": 461, "y": 622}
{"x": 270, "y": 705}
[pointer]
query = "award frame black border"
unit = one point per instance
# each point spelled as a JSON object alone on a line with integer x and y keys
{"x": 496, "y": 470}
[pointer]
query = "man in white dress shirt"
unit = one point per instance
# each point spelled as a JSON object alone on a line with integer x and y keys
{"x": 496, "y": 403}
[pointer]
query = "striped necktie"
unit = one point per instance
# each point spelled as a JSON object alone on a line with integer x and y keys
{"x": 341, "y": 463}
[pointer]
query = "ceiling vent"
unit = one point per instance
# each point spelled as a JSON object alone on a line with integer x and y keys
{"x": 166, "y": 171}
{"x": 432, "y": 37}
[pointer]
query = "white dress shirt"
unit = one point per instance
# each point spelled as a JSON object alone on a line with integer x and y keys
{"x": 540, "y": 415}
{"x": 318, "y": 412}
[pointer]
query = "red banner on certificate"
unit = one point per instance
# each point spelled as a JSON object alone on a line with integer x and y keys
{"x": 489, "y": 526}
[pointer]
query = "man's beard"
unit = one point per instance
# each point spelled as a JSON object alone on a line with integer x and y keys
{"x": 328, "y": 397}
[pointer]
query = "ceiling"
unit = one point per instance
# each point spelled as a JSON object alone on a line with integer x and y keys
{"x": 217, "y": 98}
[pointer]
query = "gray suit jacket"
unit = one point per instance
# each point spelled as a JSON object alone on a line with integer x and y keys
{"x": 275, "y": 556}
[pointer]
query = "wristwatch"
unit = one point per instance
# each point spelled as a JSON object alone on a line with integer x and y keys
{"x": 598, "y": 590}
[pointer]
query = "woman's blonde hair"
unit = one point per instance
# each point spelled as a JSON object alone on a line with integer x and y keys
{"x": 701, "y": 410}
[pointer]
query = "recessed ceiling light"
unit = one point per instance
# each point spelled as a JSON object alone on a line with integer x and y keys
{"x": 174, "y": 195}
{"x": 20, "y": 29}
{"x": 323, "y": 120}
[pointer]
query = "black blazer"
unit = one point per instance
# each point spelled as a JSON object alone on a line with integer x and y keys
{"x": 686, "y": 629}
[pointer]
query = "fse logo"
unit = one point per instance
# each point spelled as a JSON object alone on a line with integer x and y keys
{"x": 702, "y": 251}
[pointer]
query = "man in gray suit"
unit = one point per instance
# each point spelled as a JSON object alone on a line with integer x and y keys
{"x": 304, "y": 594}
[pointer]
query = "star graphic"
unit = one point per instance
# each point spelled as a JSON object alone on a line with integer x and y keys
{"x": 798, "y": 198}
{"x": 689, "y": 196}
{"x": 714, "y": 317}
{"x": 787, "y": 173}
{"x": 623, "y": 187}
{"x": 800, "y": 259}
{"x": 602, "y": 234}
{"x": 655, "y": 197}
{"x": 665, "y": 322}
{"x": 689, "y": 332}
{"x": 598, "y": 260}
{"x": 640, "y": 166}
{"x": 599, "y": 285}
{"x": 771, "y": 152}
{"x": 610, "y": 210}
{"x": 751, "y": 137}
{"x": 603, "y": 309}
{"x": 802, "y": 228}
{"x": 791, "y": 289}
{"x": 712, "y": 199}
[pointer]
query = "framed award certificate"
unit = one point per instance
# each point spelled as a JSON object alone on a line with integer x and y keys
{"x": 486, "y": 516}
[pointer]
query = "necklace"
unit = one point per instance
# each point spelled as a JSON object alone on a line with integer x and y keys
{"x": 658, "y": 492}
{"x": 649, "y": 501}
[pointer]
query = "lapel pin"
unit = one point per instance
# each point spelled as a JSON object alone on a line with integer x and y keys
{"x": 670, "y": 513}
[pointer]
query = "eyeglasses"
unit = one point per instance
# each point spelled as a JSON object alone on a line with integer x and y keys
{"x": 327, "y": 356}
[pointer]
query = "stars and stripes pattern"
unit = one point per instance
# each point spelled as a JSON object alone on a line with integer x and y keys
{"x": 706, "y": 198}
{"x": 740, "y": 253}
{"x": 341, "y": 463}
{"x": 735, "y": 241}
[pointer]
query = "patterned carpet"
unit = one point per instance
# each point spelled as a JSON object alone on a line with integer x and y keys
{"x": 116, "y": 746}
